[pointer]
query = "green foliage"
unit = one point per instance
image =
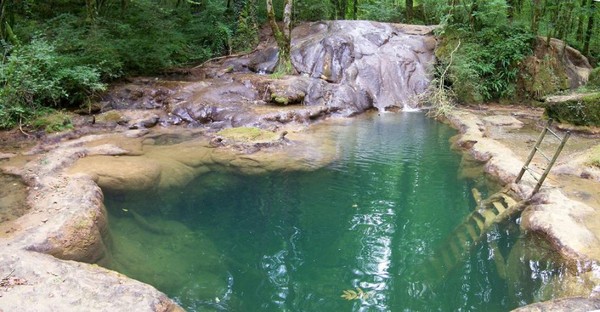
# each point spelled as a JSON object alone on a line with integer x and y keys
{"x": 376, "y": 11}
{"x": 314, "y": 10}
{"x": 487, "y": 64}
{"x": 583, "y": 111}
{"x": 144, "y": 38}
{"x": 594, "y": 78}
{"x": 246, "y": 35}
{"x": 35, "y": 75}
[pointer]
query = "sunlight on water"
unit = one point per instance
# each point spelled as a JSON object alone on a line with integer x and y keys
{"x": 363, "y": 227}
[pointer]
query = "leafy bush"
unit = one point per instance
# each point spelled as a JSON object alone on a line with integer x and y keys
{"x": 34, "y": 75}
{"x": 377, "y": 12}
{"x": 581, "y": 111}
{"x": 143, "y": 39}
{"x": 487, "y": 64}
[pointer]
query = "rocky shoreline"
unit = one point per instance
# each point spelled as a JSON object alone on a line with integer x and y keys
{"x": 66, "y": 226}
{"x": 49, "y": 254}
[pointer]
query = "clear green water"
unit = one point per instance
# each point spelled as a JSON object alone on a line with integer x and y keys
{"x": 294, "y": 241}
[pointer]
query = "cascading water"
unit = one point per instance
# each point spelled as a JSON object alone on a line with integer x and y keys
{"x": 367, "y": 64}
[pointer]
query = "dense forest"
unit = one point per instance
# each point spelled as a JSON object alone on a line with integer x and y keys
{"x": 62, "y": 53}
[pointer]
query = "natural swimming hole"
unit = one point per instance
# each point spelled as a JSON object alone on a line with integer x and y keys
{"x": 352, "y": 236}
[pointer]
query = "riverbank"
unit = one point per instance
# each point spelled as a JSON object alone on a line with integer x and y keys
{"x": 67, "y": 219}
{"x": 565, "y": 210}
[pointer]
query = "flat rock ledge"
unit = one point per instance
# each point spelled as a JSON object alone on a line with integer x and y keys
{"x": 49, "y": 255}
{"x": 550, "y": 214}
{"x": 67, "y": 221}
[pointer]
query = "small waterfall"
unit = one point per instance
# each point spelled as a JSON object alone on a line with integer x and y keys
{"x": 366, "y": 64}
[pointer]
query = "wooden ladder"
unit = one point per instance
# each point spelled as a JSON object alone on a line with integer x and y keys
{"x": 551, "y": 161}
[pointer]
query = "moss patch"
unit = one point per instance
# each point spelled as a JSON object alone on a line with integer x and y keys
{"x": 595, "y": 157}
{"x": 541, "y": 77}
{"x": 110, "y": 116}
{"x": 54, "y": 122}
{"x": 594, "y": 79}
{"x": 248, "y": 134}
{"x": 579, "y": 111}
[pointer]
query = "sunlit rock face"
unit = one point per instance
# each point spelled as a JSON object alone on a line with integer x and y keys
{"x": 344, "y": 68}
{"x": 366, "y": 64}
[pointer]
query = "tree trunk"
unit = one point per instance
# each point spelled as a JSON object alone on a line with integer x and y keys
{"x": 590, "y": 28}
{"x": 580, "y": 19}
{"x": 535, "y": 16}
{"x": 510, "y": 9}
{"x": 355, "y": 10}
{"x": 3, "y": 21}
{"x": 92, "y": 10}
{"x": 409, "y": 11}
{"x": 283, "y": 38}
{"x": 342, "y": 9}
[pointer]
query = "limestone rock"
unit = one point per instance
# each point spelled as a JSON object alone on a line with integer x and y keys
{"x": 504, "y": 121}
{"x": 567, "y": 304}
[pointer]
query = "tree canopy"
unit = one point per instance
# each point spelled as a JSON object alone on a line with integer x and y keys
{"x": 60, "y": 53}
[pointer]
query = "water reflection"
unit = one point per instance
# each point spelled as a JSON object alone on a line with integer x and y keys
{"x": 296, "y": 241}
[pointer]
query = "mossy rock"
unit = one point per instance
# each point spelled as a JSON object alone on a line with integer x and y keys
{"x": 581, "y": 110}
{"x": 594, "y": 78}
{"x": 112, "y": 116}
{"x": 56, "y": 121}
{"x": 248, "y": 134}
{"x": 595, "y": 157}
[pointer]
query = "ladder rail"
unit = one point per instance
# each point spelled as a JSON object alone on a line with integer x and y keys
{"x": 545, "y": 174}
{"x": 535, "y": 149}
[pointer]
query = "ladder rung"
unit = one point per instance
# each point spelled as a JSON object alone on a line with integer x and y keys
{"x": 499, "y": 207}
{"x": 540, "y": 151}
{"x": 554, "y": 134}
{"x": 531, "y": 172}
{"x": 509, "y": 200}
{"x": 471, "y": 232}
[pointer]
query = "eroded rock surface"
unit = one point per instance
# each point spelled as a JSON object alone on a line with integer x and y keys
{"x": 345, "y": 68}
{"x": 551, "y": 214}
{"x": 68, "y": 220}
{"x": 366, "y": 64}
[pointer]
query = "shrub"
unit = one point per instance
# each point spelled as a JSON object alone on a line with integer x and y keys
{"x": 34, "y": 75}
{"x": 487, "y": 64}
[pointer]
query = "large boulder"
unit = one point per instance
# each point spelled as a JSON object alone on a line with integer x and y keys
{"x": 553, "y": 67}
{"x": 366, "y": 64}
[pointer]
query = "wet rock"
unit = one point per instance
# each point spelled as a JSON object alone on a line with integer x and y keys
{"x": 120, "y": 173}
{"x": 374, "y": 63}
{"x": 347, "y": 66}
{"x": 219, "y": 103}
{"x": 264, "y": 61}
{"x": 141, "y": 93}
{"x": 567, "y": 304}
{"x": 581, "y": 165}
{"x": 553, "y": 67}
{"x": 289, "y": 90}
{"x": 6, "y": 155}
{"x": 559, "y": 219}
